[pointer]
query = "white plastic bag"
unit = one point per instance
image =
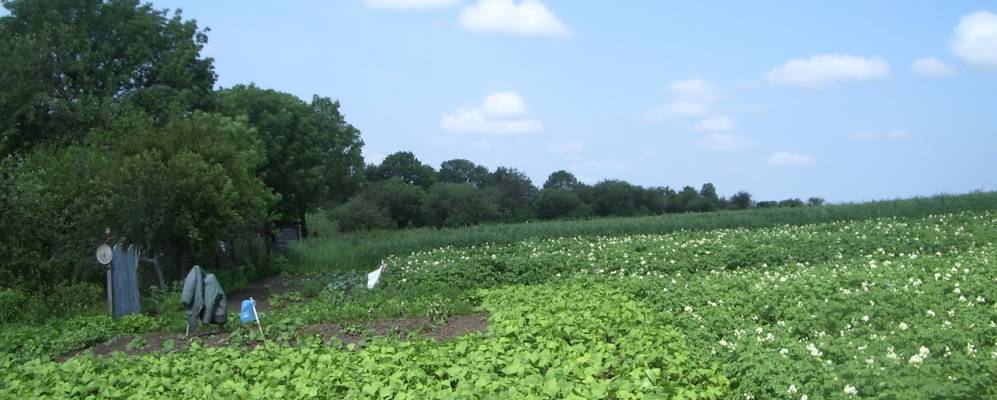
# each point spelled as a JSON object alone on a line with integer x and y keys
{"x": 374, "y": 276}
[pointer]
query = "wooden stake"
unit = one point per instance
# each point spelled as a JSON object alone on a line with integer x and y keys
{"x": 257, "y": 315}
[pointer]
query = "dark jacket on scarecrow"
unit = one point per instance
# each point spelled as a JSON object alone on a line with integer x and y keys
{"x": 203, "y": 298}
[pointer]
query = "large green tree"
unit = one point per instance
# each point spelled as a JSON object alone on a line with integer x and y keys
{"x": 73, "y": 65}
{"x": 463, "y": 171}
{"x": 342, "y": 145}
{"x": 311, "y": 152}
{"x": 514, "y": 191}
{"x": 405, "y": 166}
{"x": 177, "y": 188}
{"x": 741, "y": 200}
{"x": 189, "y": 184}
{"x": 459, "y": 204}
{"x": 402, "y": 201}
{"x": 562, "y": 180}
{"x": 556, "y": 203}
{"x": 613, "y": 197}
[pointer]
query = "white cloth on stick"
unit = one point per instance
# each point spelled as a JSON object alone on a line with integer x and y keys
{"x": 375, "y": 276}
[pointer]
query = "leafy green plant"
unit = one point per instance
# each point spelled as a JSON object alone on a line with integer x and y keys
{"x": 351, "y": 329}
{"x": 168, "y": 345}
{"x": 310, "y": 288}
{"x": 137, "y": 343}
{"x": 439, "y": 312}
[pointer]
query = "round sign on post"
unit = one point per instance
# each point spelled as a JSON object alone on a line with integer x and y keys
{"x": 104, "y": 254}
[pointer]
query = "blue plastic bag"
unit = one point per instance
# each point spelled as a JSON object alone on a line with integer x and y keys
{"x": 248, "y": 313}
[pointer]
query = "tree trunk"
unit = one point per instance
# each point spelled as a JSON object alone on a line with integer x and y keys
{"x": 304, "y": 226}
{"x": 178, "y": 254}
{"x": 155, "y": 267}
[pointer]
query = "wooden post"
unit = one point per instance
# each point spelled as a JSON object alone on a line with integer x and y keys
{"x": 110, "y": 299}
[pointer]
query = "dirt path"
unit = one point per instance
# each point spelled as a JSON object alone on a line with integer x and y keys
{"x": 260, "y": 291}
{"x": 355, "y": 333}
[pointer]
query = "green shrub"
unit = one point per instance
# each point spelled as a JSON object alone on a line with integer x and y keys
{"x": 12, "y": 301}
{"x": 76, "y": 298}
{"x": 361, "y": 215}
{"x": 311, "y": 288}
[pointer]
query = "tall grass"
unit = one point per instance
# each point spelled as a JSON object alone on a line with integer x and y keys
{"x": 359, "y": 251}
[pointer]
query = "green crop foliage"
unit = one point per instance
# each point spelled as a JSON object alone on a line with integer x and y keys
{"x": 569, "y": 341}
{"x": 888, "y": 308}
{"x": 891, "y": 308}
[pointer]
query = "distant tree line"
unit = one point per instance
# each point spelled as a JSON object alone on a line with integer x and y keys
{"x": 403, "y": 192}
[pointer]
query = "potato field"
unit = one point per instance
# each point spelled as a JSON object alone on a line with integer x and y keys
{"x": 890, "y": 308}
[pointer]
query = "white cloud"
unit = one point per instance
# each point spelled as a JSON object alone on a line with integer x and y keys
{"x": 677, "y": 109}
{"x": 501, "y": 113}
{"x": 695, "y": 89}
{"x": 503, "y": 104}
{"x": 409, "y": 4}
{"x": 716, "y": 123}
{"x": 691, "y": 98}
{"x": 527, "y": 18}
{"x": 721, "y": 142}
{"x": 785, "y": 158}
{"x": 931, "y": 67}
{"x": 872, "y": 136}
{"x": 571, "y": 150}
{"x": 824, "y": 69}
{"x": 975, "y": 38}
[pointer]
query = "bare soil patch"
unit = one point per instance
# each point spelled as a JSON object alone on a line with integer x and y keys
{"x": 354, "y": 332}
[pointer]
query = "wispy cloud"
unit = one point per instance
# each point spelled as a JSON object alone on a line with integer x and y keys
{"x": 676, "y": 110}
{"x": 783, "y": 158}
{"x": 975, "y": 38}
{"x": 721, "y": 142}
{"x": 695, "y": 90}
{"x": 527, "y": 18}
{"x": 716, "y": 123}
{"x": 690, "y": 98}
{"x": 500, "y": 113}
{"x": 825, "y": 69}
{"x": 931, "y": 67}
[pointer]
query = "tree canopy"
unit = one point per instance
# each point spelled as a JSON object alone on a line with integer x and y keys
{"x": 71, "y": 65}
{"x": 311, "y": 153}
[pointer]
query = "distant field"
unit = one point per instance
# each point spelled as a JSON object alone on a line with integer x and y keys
{"x": 341, "y": 252}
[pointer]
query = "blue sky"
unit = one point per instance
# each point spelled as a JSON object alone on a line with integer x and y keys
{"x": 847, "y": 100}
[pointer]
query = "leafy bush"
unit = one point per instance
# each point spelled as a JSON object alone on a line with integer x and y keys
{"x": 456, "y": 205}
{"x": 361, "y": 215}
{"x": 12, "y": 304}
{"x": 310, "y": 288}
{"x": 72, "y": 299}
{"x": 62, "y": 301}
